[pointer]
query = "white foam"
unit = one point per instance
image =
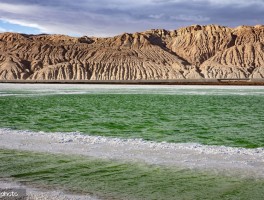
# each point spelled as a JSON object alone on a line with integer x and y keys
{"x": 77, "y": 137}
{"x": 249, "y": 161}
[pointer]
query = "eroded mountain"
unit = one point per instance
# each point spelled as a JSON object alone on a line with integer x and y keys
{"x": 193, "y": 52}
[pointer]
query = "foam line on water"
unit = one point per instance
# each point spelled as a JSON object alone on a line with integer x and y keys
{"x": 77, "y": 137}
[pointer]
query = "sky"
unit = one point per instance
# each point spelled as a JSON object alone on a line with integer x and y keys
{"x": 104, "y": 18}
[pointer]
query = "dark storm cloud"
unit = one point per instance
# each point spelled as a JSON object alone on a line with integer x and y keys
{"x": 109, "y": 17}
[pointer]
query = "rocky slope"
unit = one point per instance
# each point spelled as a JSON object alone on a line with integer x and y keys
{"x": 193, "y": 52}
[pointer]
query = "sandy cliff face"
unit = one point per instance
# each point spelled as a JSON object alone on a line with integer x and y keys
{"x": 245, "y": 58}
{"x": 189, "y": 53}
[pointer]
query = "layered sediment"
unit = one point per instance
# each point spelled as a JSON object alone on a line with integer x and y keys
{"x": 194, "y": 52}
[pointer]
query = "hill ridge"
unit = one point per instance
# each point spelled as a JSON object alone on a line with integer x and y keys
{"x": 193, "y": 52}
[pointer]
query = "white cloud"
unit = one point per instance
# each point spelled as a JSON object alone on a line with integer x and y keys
{"x": 23, "y": 23}
{"x": 215, "y": 2}
{"x": 156, "y": 16}
{"x": 239, "y": 3}
{"x": 18, "y": 8}
{"x": 190, "y": 18}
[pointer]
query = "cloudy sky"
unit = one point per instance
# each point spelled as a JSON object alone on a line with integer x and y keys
{"x": 112, "y": 17}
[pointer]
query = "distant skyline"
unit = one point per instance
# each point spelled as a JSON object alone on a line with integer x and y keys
{"x": 113, "y": 17}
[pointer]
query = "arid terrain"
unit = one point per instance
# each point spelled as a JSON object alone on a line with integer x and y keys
{"x": 193, "y": 52}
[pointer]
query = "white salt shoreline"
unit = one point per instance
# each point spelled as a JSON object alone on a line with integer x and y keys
{"x": 9, "y": 89}
{"x": 43, "y": 194}
{"x": 248, "y": 162}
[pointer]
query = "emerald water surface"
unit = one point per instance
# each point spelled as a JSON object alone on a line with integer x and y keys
{"x": 117, "y": 180}
{"x": 230, "y": 116}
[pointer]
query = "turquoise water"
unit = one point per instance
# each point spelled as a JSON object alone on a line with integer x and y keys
{"x": 230, "y": 116}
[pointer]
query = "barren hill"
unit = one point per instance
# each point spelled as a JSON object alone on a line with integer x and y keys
{"x": 193, "y": 52}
